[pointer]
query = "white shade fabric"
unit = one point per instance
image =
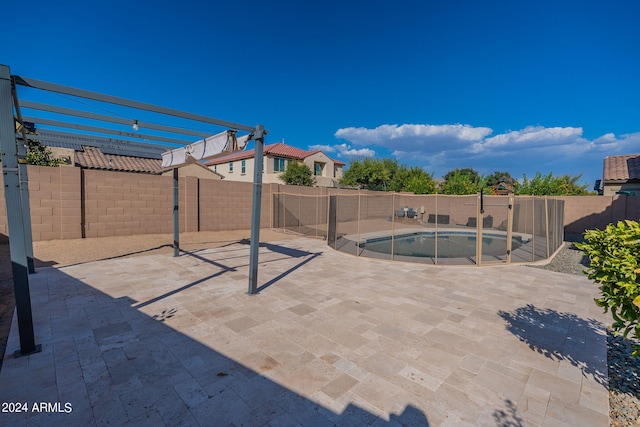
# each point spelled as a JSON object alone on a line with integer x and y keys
{"x": 223, "y": 143}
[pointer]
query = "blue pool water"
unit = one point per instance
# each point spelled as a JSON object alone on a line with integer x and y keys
{"x": 450, "y": 244}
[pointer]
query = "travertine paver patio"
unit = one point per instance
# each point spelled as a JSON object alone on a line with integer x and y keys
{"x": 331, "y": 339}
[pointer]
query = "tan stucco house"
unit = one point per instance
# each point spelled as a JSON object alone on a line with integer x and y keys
{"x": 621, "y": 174}
{"x": 276, "y": 157}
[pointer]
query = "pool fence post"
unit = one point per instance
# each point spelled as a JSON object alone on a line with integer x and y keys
{"x": 435, "y": 232}
{"x": 510, "y": 227}
{"x": 533, "y": 228}
{"x": 479, "y": 219}
{"x": 546, "y": 222}
{"x": 393, "y": 224}
{"x": 358, "y": 244}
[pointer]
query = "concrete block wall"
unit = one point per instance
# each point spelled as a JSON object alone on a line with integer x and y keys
{"x": 63, "y": 199}
{"x": 227, "y": 205}
{"x": 189, "y": 193}
{"x": 54, "y": 199}
{"x": 123, "y": 204}
{"x": 589, "y": 212}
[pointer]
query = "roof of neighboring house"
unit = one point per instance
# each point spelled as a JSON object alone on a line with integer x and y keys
{"x": 196, "y": 164}
{"x": 274, "y": 150}
{"x": 93, "y": 158}
{"x": 622, "y": 168}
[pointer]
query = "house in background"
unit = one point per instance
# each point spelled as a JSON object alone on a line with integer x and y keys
{"x": 118, "y": 156}
{"x": 621, "y": 175}
{"x": 276, "y": 157}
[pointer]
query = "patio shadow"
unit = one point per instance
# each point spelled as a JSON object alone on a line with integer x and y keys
{"x": 115, "y": 364}
{"x": 508, "y": 417}
{"x": 560, "y": 336}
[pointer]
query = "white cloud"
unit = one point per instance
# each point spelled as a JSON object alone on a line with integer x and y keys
{"x": 423, "y": 136}
{"x": 347, "y": 151}
{"x": 440, "y": 148}
{"x": 344, "y": 150}
{"x": 324, "y": 148}
{"x": 530, "y": 136}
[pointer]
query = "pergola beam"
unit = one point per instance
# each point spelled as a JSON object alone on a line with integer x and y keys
{"x": 102, "y": 130}
{"x": 96, "y": 141}
{"x": 81, "y": 93}
{"x": 104, "y": 118}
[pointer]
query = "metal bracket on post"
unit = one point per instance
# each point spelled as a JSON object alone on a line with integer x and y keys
{"x": 15, "y": 216}
{"x": 258, "y": 137}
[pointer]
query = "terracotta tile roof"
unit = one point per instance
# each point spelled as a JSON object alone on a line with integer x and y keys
{"x": 284, "y": 150}
{"x": 274, "y": 150}
{"x": 93, "y": 158}
{"x": 622, "y": 168}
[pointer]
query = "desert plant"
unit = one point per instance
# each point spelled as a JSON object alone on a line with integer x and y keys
{"x": 615, "y": 264}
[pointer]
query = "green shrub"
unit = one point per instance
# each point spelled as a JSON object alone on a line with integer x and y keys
{"x": 615, "y": 265}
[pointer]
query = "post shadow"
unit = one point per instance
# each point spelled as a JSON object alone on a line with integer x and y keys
{"x": 115, "y": 364}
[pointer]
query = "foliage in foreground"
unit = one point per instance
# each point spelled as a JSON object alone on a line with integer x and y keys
{"x": 615, "y": 265}
{"x": 298, "y": 173}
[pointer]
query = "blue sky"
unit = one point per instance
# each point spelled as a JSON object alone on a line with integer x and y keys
{"x": 517, "y": 86}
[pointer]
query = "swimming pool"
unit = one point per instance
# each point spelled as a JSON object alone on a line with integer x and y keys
{"x": 444, "y": 244}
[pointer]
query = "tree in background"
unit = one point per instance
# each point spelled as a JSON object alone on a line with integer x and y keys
{"x": 388, "y": 175}
{"x": 370, "y": 174}
{"x": 549, "y": 185}
{"x": 413, "y": 180}
{"x": 497, "y": 176}
{"x": 298, "y": 173}
{"x": 461, "y": 181}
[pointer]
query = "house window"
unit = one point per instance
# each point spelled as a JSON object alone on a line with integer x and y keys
{"x": 279, "y": 164}
{"x": 243, "y": 167}
{"x": 230, "y": 167}
{"x": 317, "y": 168}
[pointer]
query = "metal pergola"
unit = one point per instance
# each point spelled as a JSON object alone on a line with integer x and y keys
{"x": 13, "y": 146}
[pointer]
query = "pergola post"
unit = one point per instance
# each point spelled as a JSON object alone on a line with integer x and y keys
{"x": 26, "y": 210}
{"x": 258, "y": 137}
{"x": 15, "y": 216}
{"x": 176, "y": 214}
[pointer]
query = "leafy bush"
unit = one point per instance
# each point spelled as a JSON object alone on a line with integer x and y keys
{"x": 298, "y": 173}
{"x": 40, "y": 155}
{"x": 550, "y": 185}
{"x": 615, "y": 264}
{"x": 461, "y": 181}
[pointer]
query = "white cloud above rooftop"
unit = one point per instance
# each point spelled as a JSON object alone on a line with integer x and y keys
{"x": 439, "y": 148}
